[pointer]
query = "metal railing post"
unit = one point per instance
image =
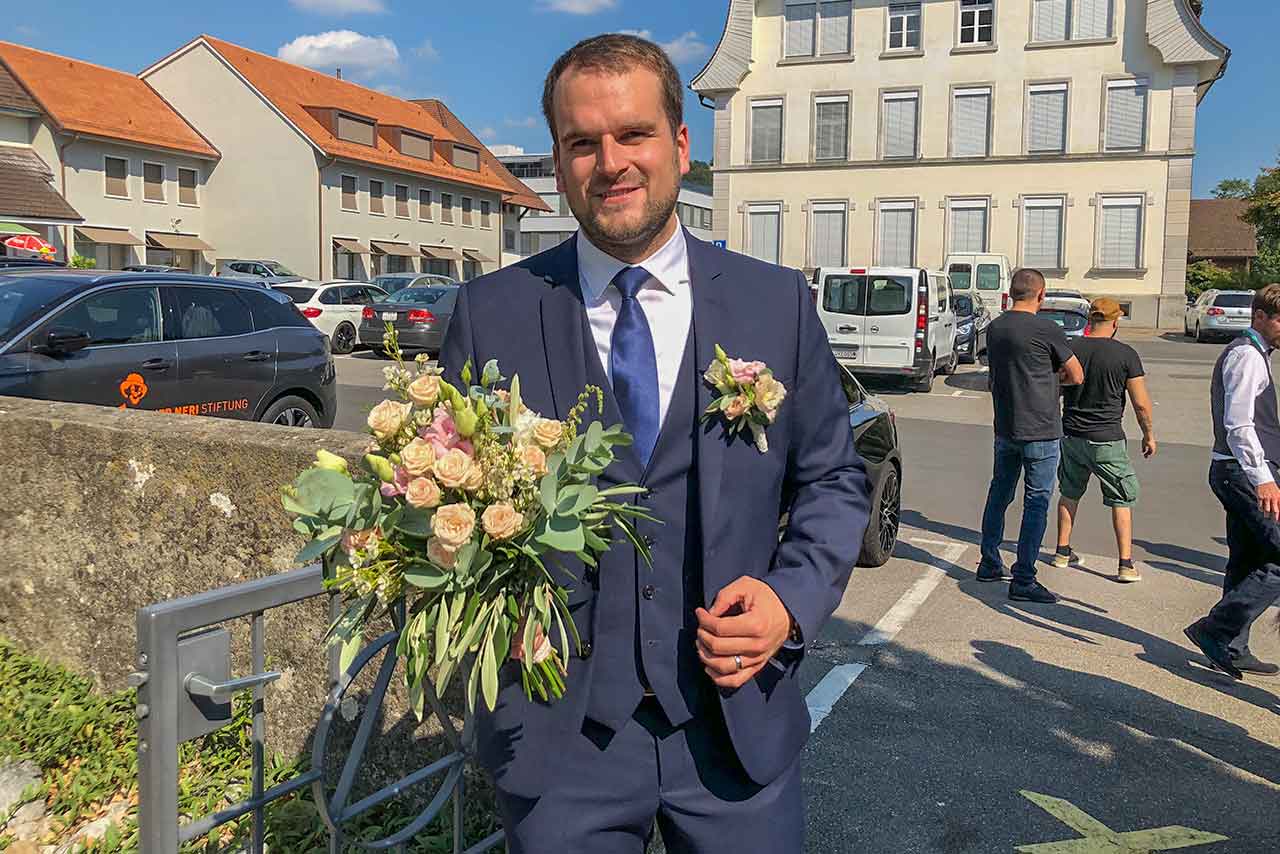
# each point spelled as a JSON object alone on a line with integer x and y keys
{"x": 258, "y": 644}
{"x": 157, "y": 682}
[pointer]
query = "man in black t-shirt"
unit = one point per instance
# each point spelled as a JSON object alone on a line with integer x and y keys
{"x": 1094, "y": 444}
{"x": 1029, "y": 358}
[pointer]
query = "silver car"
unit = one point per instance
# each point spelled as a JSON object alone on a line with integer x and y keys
{"x": 392, "y": 282}
{"x": 1069, "y": 320}
{"x": 1218, "y": 314}
{"x": 420, "y": 316}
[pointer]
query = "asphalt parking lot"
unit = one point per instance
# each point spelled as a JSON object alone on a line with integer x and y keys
{"x": 951, "y": 720}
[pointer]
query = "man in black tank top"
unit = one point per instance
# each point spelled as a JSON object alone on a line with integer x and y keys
{"x": 1246, "y": 450}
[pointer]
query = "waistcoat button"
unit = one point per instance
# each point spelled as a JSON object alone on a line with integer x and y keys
{"x": 648, "y": 591}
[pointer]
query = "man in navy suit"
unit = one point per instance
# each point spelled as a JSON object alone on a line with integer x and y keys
{"x": 683, "y": 705}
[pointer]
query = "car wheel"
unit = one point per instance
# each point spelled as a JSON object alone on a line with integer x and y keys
{"x": 970, "y": 354}
{"x": 291, "y": 411}
{"x": 924, "y": 383}
{"x": 1200, "y": 339}
{"x": 882, "y": 529}
{"x": 1186, "y": 330}
{"x": 344, "y": 339}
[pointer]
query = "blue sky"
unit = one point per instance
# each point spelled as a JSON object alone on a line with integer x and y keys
{"x": 488, "y": 62}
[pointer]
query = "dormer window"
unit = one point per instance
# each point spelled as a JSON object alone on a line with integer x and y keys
{"x": 415, "y": 145}
{"x": 466, "y": 158}
{"x": 354, "y": 129}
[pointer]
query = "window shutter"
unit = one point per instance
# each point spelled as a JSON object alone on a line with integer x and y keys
{"x": 764, "y": 234}
{"x": 828, "y": 236}
{"x": 831, "y": 130}
{"x": 800, "y": 29}
{"x": 1121, "y": 229}
{"x": 1051, "y": 20}
{"x": 836, "y": 26}
{"x": 900, "y": 127}
{"x": 1093, "y": 19}
{"x": 1048, "y": 121}
{"x": 1042, "y": 240}
{"x": 897, "y": 236}
{"x": 766, "y": 133}
{"x": 1126, "y": 116}
{"x": 972, "y": 117}
{"x": 969, "y": 229}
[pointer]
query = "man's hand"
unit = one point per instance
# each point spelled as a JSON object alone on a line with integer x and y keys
{"x": 1268, "y": 501}
{"x": 747, "y": 620}
{"x": 1148, "y": 446}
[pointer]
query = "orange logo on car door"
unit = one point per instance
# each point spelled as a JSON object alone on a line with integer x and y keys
{"x": 133, "y": 389}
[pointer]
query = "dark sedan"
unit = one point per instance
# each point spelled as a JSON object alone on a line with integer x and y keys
{"x": 972, "y": 319}
{"x": 192, "y": 345}
{"x": 420, "y": 316}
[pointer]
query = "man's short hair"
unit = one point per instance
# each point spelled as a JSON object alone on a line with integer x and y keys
{"x": 1267, "y": 299}
{"x": 1026, "y": 284}
{"x": 617, "y": 53}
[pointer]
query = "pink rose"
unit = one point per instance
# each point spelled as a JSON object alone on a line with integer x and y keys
{"x": 443, "y": 434}
{"x": 353, "y": 541}
{"x": 737, "y": 407}
{"x": 541, "y": 644}
{"x": 391, "y": 490}
{"x": 745, "y": 373}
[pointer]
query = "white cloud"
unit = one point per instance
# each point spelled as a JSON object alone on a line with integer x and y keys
{"x": 578, "y": 7}
{"x": 427, "y": 51}
{"x": 526, "y": 122}
{"x": 488, "y": 133}
{"x": 685, "y": 48}
{"x": 643, "y": 34}
{"x": 340, "y": 7}
{"x": 350, "y": 51}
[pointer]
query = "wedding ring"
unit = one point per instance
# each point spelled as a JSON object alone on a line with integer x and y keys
{"x": 737, "y": 659}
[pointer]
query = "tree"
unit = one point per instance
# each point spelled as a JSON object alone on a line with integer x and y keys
{"x": 1233, "y": 188}
{"x": 1204, "y": 275}
{"x": 699, "y": 173}
{"x": 83, "y": 263}
{"x": 1264, "y": 207}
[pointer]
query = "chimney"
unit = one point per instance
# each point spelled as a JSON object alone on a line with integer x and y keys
{"x": 339, "y": 72}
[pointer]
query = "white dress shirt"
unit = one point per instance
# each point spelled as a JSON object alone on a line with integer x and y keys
{"x": 665, "y": 298}
{"x": 1246, "y": 373}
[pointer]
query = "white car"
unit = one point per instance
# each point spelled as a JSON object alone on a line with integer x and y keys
{"x": 1218, "y": 314}
{"x": 1070, "y": 300}
{"x": 334, "y": 307}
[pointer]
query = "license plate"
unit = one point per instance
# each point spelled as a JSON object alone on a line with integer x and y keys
{"x": 389, "y": 315}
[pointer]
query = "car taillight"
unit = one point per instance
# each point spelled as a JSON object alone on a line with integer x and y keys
{"x": 311, "y": 312}
{"x": 1215, "y": 311}
{"x": 922, "y": 316}
{"x": 367, "y": 313}
{"x": 1004, "y": 301}
{"x": 420, "y": 315}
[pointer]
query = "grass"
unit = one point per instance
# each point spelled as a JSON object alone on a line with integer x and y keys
{"x": 86, "y": 746}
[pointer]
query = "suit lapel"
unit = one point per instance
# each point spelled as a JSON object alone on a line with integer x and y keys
{"x": 708, "y": 324}
{"x": 562, "y": 314}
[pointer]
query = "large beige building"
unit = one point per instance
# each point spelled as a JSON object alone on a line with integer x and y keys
{"x": 1058, "y": 132}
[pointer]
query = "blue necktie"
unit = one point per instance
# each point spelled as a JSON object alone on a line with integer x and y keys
{"x": 634, "y": 365}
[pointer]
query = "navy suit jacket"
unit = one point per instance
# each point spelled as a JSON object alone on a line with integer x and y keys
{"x": 530, "y": 317}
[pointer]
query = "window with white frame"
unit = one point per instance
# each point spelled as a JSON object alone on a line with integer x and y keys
{"x": 969, "y": 220}
{"x": 1063, "y": 20}
{"x": 402, "y": 201}
{"x": 829, "y": 234}
{"x": 977, "y": 21}
{"x": 1126, "y": 115}
{"x": 764, "y": 232}
{"x": 831, "y": 127}
{"x": 971, "y": 122}
{"x": 766, "y": 130}
{"x": 896, "y": 244}
{"x": 187, "y": 180}
{"x": 375, "y": 198}
{"x": 904, "y": 26}
{"x": 116, "y": 175}
{"x": 424, "y": 205}
{"x": 1120, "y": 233}
{"x": 901, "y": 124}
{"x": 818, "y": 27}
{"x": 1091, "y": 19}
{"x": 1047, "y": 118}
{"x": 1042, "y": 223}
{"x": 153, "y": 181}
{"x": 350, "y": 201}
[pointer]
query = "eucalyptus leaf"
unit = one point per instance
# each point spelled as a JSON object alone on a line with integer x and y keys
{"x": 314, "y": 549}
{"x": 426, "y": 575}
{"x": 416, "y": 522}
{"x": 324, "y": 492}
{"x": 562, "y": 534}
{"x": 547, "y": 493}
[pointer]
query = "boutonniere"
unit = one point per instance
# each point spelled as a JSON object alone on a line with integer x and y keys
{"x": 749, "y": 396}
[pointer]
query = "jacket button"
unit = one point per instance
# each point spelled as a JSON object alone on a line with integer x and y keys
{"x": 648, "y": 591}
{"x": 586, "y": 649}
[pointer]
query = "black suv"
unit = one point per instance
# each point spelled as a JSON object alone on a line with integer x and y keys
{"x": 193, "y": 345}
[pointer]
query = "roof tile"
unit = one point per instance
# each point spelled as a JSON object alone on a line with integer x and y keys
{"x": 25, "y": 191}
{"x": 1216, "y": 230}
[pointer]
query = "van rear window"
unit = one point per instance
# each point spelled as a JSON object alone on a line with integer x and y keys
{"x": 961, "y": 276}
{"x": 867, "y": 295}
{"x": 988, "y": 277}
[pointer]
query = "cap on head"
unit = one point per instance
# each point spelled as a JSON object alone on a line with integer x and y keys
{"x": 1105, "y": 310}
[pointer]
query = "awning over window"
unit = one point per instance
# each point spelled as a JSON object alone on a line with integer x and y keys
{"x": 387, "y": 248}
{"x": 444, "y": 253}
{"x": 475, "y": 255}
{"x": 117, "y": 236}
{"x": 14, "y": 228}
{"x": 355, "y": 247}
{"x": 171, "y": 240}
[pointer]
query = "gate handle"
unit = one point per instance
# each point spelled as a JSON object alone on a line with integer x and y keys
{"x": 198, "y": 685}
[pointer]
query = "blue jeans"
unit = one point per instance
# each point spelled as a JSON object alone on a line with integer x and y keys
{"x": 1039, "y": 462}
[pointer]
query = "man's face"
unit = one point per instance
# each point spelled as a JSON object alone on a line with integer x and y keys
{"x": 617, "y": 160}
{"x": 1268, "y": 326}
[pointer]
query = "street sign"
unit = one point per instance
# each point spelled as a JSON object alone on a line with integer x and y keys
{"x": 719, "y": 244}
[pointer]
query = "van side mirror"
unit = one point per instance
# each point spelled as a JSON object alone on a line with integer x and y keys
{"x": 62, "y": 341}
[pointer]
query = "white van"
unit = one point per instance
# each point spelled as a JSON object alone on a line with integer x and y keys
{"x": 891, "y": 321}
{"x": 984, "y": 275}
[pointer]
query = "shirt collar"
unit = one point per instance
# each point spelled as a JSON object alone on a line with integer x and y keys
{"x": 669, "y": 266}
{"x": 1257, "y": 341}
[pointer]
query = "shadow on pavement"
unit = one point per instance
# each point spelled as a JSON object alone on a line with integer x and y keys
{"x": 1195, "y": 557}
{"x": 969, "y": 381}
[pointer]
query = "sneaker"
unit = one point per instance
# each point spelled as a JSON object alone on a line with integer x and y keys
{"x": 1214, "y": 649}
{"x": 1128, "y": 574}
{"x": 1250, "y": 663}
{"x": 1032, "y": 591}
{"x": 1064, "y": 559}
{"x": 986, "y": 572}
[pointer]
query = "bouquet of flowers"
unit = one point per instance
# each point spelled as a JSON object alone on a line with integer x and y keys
{"x": 749, "y": 396}
{"x": 454, "y": 525}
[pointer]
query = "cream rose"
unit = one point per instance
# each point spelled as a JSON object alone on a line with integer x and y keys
{"x": 548, "y": 432}
{"x": 717, "y": 375}
{"x": 501, "y": 521}
{"x": 386, "y": 419}
{"x": 769, "y": 394}
{"x": 534, "y": 458}
{"x": 353, "y": 541}
{"x": 453, "y": 524}
{"x": 423, "y": 492}
{"x": 439, "y": 555}
{"x": 737, "y": 407}
{"x": 452, "y": 468}
{"x": 425, "y": 390}
{"x": 474, "y": 479}
{"x": 418, "y": 457}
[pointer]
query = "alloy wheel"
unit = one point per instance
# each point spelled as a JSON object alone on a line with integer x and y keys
{"x": 890, "y": 510}
{"x": 293, "y": 417}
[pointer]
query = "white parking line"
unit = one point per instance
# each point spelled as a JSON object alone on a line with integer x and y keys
{"x": 827, "y": 692}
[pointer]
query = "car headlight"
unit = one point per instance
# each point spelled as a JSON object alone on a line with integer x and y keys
{"x": 965, "y": 328}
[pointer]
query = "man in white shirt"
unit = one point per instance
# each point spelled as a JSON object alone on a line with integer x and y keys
{"x": 1246, "y": 450}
